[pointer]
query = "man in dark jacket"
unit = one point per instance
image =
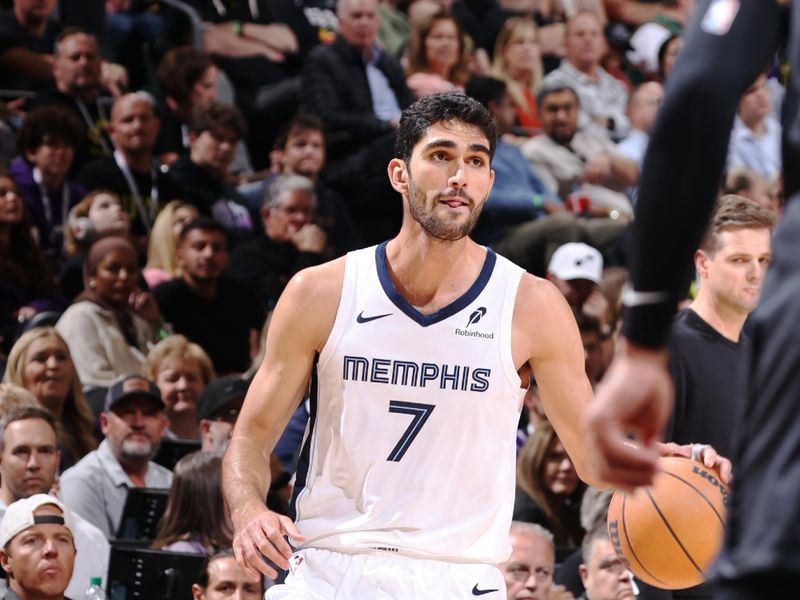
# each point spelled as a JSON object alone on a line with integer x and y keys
{"x": 359, "y": 92}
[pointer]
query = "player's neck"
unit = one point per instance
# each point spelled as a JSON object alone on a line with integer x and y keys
{"x": 725, "y": 320}
{"x": 430, "y": 274}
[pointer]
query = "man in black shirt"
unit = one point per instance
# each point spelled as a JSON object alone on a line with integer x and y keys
{"x": 132, "y": 171}
{"x": 291, "y": 240}
{"x": 222, "y": 315}
{"x": 77, "y": 70}
{"x": 705, "y": 347}
{"x": 707, "y": 337}
{"x": 214, "y": 131}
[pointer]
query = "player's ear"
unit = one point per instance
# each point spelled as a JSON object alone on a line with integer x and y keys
{"x": 398, "y": 175}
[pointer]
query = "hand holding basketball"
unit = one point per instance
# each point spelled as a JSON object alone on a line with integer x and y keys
{"x": 670, "y": 533}
{"x": 635, "y": 397}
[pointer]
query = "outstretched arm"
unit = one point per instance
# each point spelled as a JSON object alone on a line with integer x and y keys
{"x": 299, "y": 328}
{"x": 546, "y": 336}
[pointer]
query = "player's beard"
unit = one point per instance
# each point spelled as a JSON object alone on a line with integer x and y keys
{"x": 422, "y": 213}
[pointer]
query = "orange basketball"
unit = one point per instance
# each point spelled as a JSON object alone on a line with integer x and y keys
{"x": 670, "y": 533}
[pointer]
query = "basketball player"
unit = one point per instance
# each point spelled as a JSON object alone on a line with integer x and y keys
{"x": 416, "y": 350}
{"x": 727, "y": 45}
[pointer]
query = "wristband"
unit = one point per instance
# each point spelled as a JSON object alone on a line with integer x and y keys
{"x": 238, "y": 28}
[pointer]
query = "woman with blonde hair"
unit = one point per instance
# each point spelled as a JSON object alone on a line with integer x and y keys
{"x": 181, "y": 369}
{"x": 40, "y": 362}
{"x": 548, "y": 489}
{"x": 518, "y": 62}
{"x": 161, "y": 265}
{"x": 436, "y": 56}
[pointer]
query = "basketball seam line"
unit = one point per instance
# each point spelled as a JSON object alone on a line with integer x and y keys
{"x": 702, "y": 495}
{"x": 630, "y": 545}
{"x": 673, "y": 534}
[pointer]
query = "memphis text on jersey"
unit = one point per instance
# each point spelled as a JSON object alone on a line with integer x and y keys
{"x": 412, "y": 374}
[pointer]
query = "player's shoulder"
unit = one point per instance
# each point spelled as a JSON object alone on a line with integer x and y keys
{"x": 320, "y": 284}
{"x": 537, "y": 293}
{"x": 307, "y": 307}
{"x": 540, "y": 306}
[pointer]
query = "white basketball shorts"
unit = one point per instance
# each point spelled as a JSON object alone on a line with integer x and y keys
{"x": 317, "y": 574}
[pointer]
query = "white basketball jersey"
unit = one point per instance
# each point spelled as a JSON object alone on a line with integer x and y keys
{"x": 411, "y": 443}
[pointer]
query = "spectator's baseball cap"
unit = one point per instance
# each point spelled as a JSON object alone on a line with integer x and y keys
{"x": 132, "y": 386}
{"x": 19, "y": 516}
{"x": 577, "y": 261}
{"x": 219, "y": 394}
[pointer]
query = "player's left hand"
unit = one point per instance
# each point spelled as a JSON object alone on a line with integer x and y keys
{"x": 703, "y": 453}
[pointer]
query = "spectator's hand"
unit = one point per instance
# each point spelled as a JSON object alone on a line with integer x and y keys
{"x": 703, "y": 453}
{"x": 310, "y": 238}
{"x": 598, "y": 169}
{"x": 277, "y": 36}
{"x": 559, "y": 592}
{"x": 114, "y": 78}
{"x": 634, "y": 398}
{"x": 144, "y": 305}
{"x": 259, "y": 533}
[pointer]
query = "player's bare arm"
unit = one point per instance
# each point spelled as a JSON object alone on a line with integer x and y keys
{"x": 546, "y": 336}
{"x": 299, "y": 328}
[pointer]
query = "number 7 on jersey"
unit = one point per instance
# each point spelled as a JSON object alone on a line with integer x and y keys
{"x": 420, "y": 412}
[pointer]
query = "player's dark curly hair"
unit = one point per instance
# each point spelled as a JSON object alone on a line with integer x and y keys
{"x": 447, "y": 106}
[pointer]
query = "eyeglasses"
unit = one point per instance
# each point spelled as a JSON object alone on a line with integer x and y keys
{"x": 523, "y": 572}
{"x": 614, "y": 565}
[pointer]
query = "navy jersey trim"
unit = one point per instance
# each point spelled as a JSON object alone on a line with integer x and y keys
{"x": 301, "y": 474}
{"x": 443, "y": 313}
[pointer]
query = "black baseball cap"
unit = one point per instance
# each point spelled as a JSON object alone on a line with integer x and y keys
{"x": 220, "y": 393}
{"x": 132, "y": 386}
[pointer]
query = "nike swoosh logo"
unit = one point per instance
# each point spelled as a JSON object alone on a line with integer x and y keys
{"x": 477, "y": 592}
{"x": 362, "y": 319}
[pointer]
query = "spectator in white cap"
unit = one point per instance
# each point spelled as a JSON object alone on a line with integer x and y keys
{"x": 577, "y": 270}
{"x": 133, "y": 423}
{"x": 37, "y": 550}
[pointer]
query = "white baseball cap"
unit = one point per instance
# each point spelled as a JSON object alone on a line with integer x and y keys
{"x": 576, "y": 260}
{"x": 19, "y": 516}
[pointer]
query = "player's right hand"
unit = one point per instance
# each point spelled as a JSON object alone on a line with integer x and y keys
{"x": 261, "y": 533}
{"x": 629, "y": 412}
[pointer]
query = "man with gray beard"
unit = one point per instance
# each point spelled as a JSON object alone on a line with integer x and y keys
{"x": 133, "y": 423}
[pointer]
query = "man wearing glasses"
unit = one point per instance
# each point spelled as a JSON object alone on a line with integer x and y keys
{"x": 529, "y": 570}
{"x": 604, "y": 575}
